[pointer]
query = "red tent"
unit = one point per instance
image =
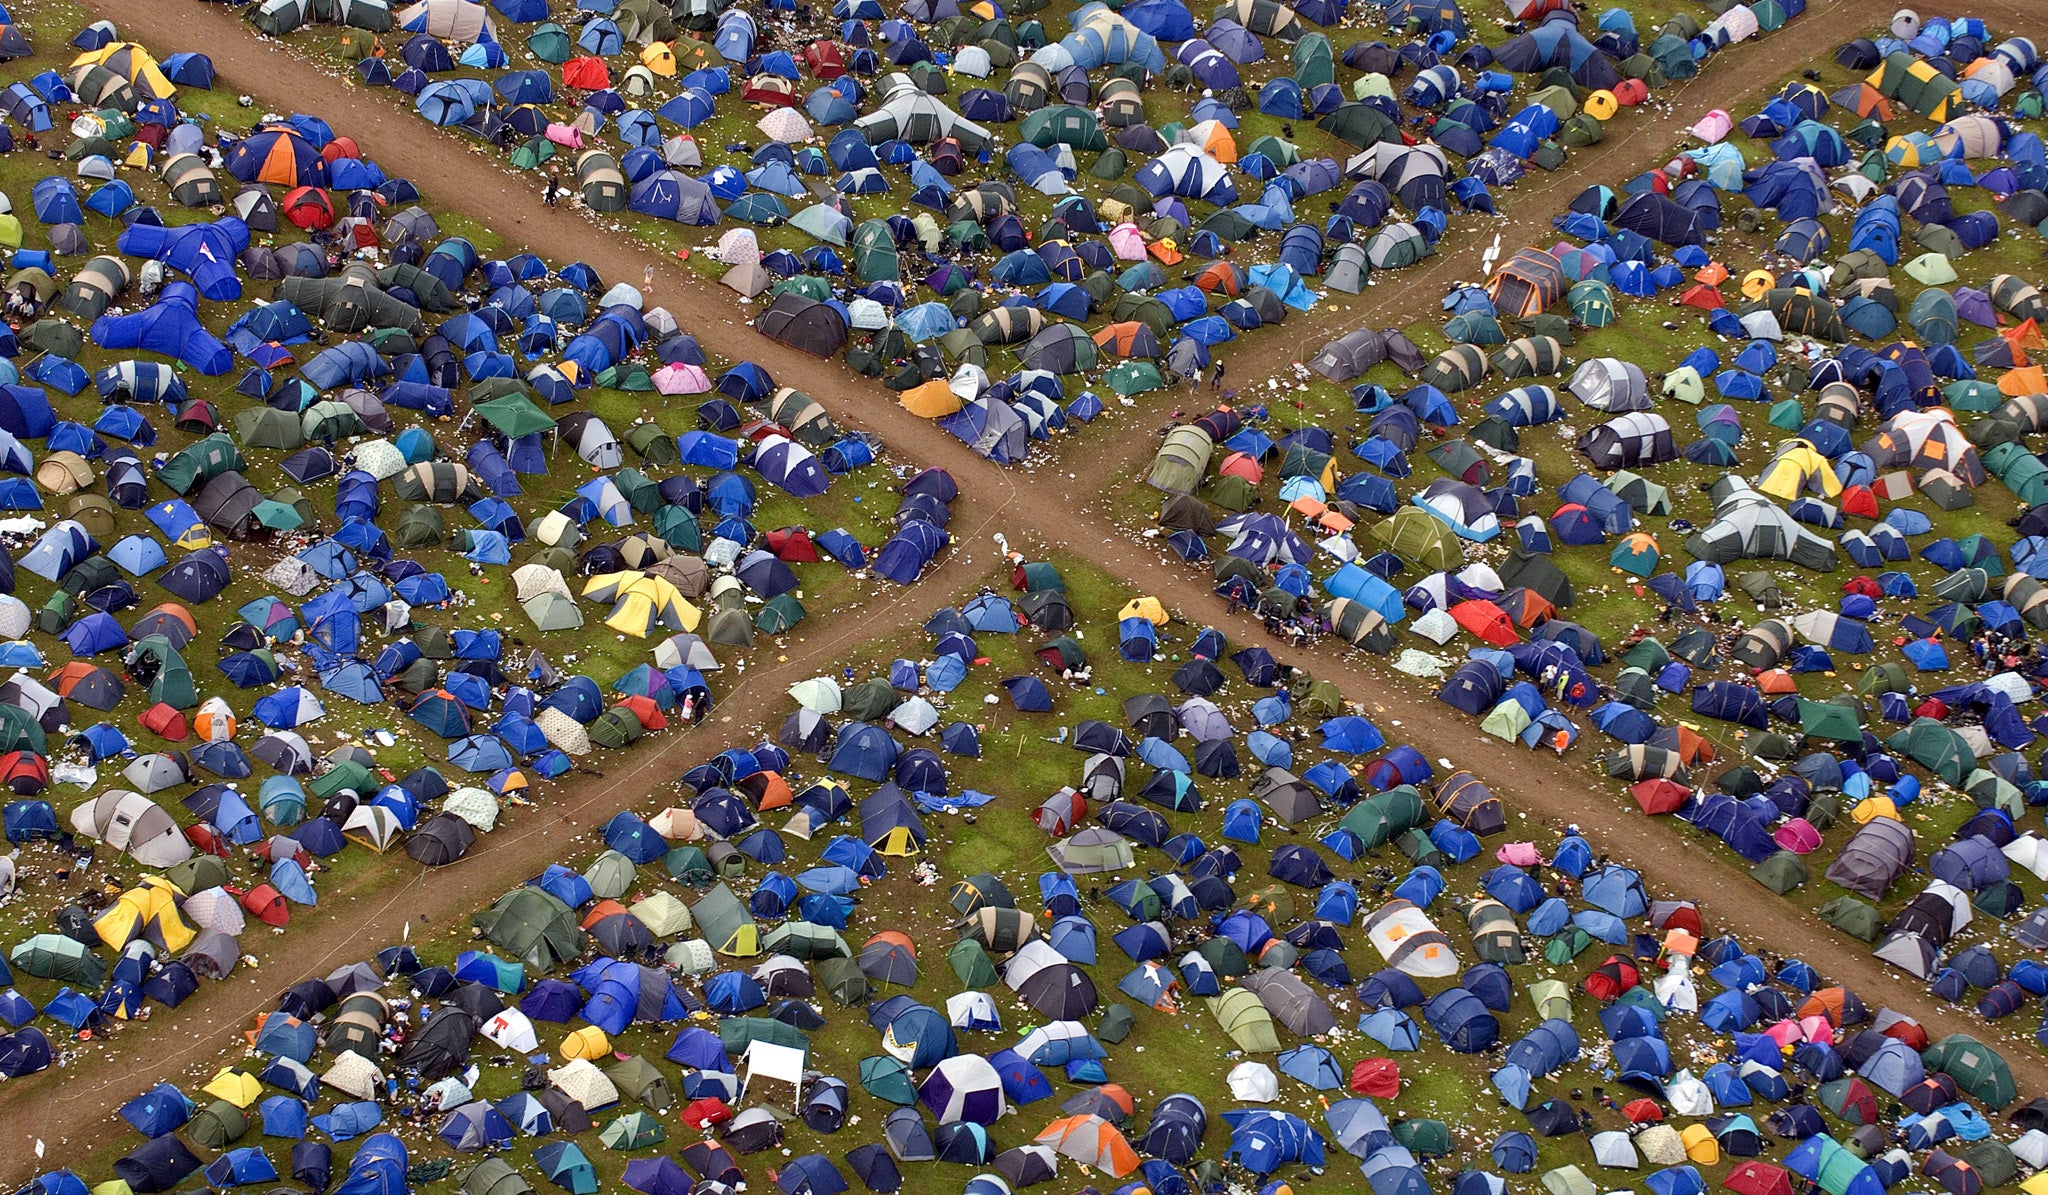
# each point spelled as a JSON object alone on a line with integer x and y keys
{"x": 1751, "y": 1177}
{"x": 825, "y": 59}
{"x": 1379, "y": 1078}
{"x": 1486, "y": 621}
{"x": 1858, "y": 500}
{"x": 1705, "y": 297}
{"x": 1644, "y": 1111}
{"x": 793, "y": 544}
{"x": 1862, "y": 585}
{"x": 1658, "y": 795}
{"x": 586, "y": 74}
{"x": 266, "y": 904}
{"x": 24, "y": 773}
{"x": 166, "y": 723}
{"x": 1611, "y": 978}
{"x": 309, "y": 208}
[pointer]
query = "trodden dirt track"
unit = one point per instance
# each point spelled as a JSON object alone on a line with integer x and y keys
{"x": 1035, "y": 505}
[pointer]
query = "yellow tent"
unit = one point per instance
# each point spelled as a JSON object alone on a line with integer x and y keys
{"x": 587, "y": 1042}
{"x": 1869, "y": 809}
{"x": 659, "y": 59}
{"x": 148, "y": 910}
{"x": 237, "y": 1087}
{"x": 1756, "y": 283}
{"x": 1147, "y": 608}
{"x": 1799, "y": 468}
{"x": 1602, "y": 105}
{"x": 132, "y": 63}
{"x": 1700, "y": 1145}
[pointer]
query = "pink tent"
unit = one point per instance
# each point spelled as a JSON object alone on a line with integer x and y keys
{"x": 1798, "y": 836}
{"x": 681, "y": 378}
{"x": 1127, "y": 242}
{"x": 565, "y": 135}
{"x": 1713, "y": 127}
{"x": 1519, "y": 854}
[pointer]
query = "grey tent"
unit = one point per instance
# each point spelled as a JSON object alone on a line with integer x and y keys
{"x": 1874, "y": 859}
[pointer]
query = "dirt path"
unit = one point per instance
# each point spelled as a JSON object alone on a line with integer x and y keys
{"x": 53, "y": 1104}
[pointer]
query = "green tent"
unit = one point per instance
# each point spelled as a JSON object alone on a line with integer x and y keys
{"x": 1569, "y": 1180}
{"x": 1426, "y": 1138}
{"x": 740, "y": 1032}
{"x": 634, "y": 1130}
{"x": 1592, "y": 303}
{"x": 494, "y": 1176}
{"x": 1854, "y": 917}
{"x": 1379, "y": 819}
{"x": 218, "y": 1125}
{"x": 726, "y": 923}
{"x": 888, "y": 1079}
{"x": 532, "y": 925}
{"x": 1566, "y": 946}
{"x": 1418, "y": 537}
{"x": 54, "y": 956}
{"x": 514, "y": 415}
{"x": 1134, "y": 377}
{"x": 201, "y": 462}
{"x": 844, "y": 981}
{"x": 971, "y": 964}
{"x": 1246, "y": 1020}
{"x": 687, "y": 864}
{"x": 779, "y": 615}
{"x": 1781, "y": 872}
{"x": 804, "y": 939}
{"x": 1979, "y": 1071}
{"x": 172, "y": 683}
{"x": 1935, "y": 747}
{"x": 1063, "y": 124}
{"x": 1825, "y": 719}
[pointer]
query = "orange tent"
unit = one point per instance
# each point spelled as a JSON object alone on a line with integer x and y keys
{"x": 1713, "y": 274}
{"x": 2024, "y": 335}
{"x": 1702, "y": 296}
{"x": 1129, "y": 338}
{"x": 1658, "y": 795}
{"x": 164, "y": 722}
{"x": 1865, "y": 100}
{"x": 601, "y": 910}
{"x": 1776, "y": 682}
{"x": 1165, "y": 251}
{"x": 933, "y": 400}
{"x": 1694, "y": 747}
{"x": 2028, "y": 379}
{"x": 1220, "y": 278}
{"x": 767, "y": 790}
{"x": 1091, "y": 1141}
{"x": 645, "y": 709}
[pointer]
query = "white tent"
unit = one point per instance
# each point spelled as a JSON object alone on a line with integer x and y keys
{"x": 1253, "y": 1083}
{"x": 511, "y": 1030}
{"x": 131, "y": 822}
{"x": 477, "y": 806}
{"x": 1613, "y": 1150}
{"x": 353, "y": 1074}
{"x": 1406, "y": 937}
{"x": 582, "y": 1082}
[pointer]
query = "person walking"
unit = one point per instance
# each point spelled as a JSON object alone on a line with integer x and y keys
{"x": 1216, "y": 378}
{"x": 553, "y": 190}
{"x": 647, "y": 280}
